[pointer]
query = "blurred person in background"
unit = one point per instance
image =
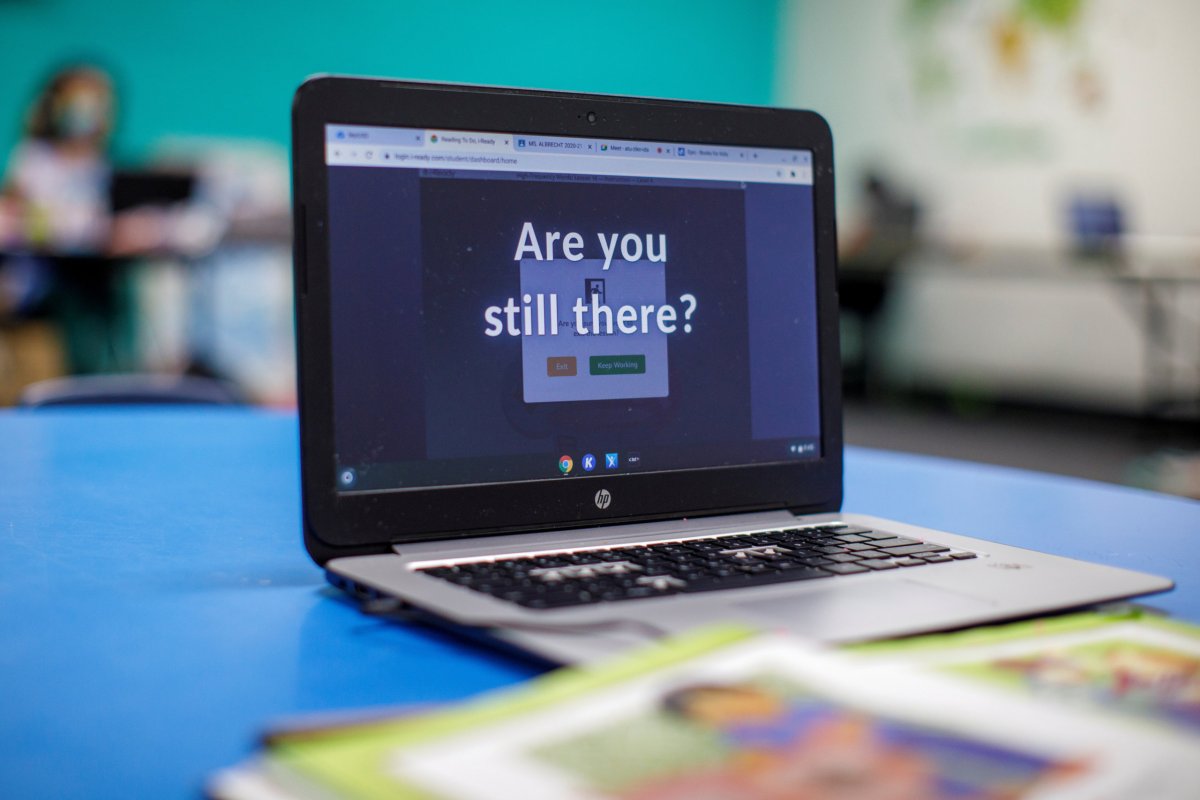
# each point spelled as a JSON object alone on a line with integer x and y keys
{"x": 62, "y": 249}
{"x": 56, "y": 186}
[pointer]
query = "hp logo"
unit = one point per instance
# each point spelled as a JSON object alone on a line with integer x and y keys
{"x": 603, "y": 499}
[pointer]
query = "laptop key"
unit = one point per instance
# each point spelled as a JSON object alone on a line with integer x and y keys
{"x": 913, "y": 549}
{"x": 856, "y": 530}
{"x": 961, "y": 556}
{"x": 872, "y": 553}
{"x": 894, "y": 541}
{"x": 761, "y": 579}
{"x": 911, "y": 562}
{"x": 845, "y": 569}
{"x": 661, "y": 583}
{"x": 559, "y": 599}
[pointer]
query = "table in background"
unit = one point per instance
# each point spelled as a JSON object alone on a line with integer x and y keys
{"x": 157, "y": 607}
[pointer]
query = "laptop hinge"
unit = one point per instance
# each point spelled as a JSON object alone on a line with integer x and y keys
{"x": 595, "y": 524}
{"x": 588, "y": 538}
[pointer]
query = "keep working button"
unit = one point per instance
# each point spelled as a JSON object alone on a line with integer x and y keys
{"x": 617, "y": 365}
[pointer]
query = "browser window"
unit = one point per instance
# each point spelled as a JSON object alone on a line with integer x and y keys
{"x": 511, "y": 307}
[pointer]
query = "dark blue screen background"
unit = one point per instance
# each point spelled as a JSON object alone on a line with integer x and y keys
{"x": 415, "y": 260}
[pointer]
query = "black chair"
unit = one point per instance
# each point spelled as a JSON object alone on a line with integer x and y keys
{"x": 130, "y": 389}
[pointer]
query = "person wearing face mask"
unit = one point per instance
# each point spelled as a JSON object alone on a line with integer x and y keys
{"x": 57, "y": 180}
{"x": 65, "y": 246}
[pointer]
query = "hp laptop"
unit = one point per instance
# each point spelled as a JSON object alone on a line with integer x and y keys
{"x": 569, "y": 377}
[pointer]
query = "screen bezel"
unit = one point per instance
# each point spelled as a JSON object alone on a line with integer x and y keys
{"x": 346, "y": 523}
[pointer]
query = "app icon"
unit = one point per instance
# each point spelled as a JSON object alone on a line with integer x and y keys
{"x": 566, "y": 464}
{"x": 603, "y": 147}
{"x": 347, "y": 477}
{"x": 681, "y": 151}
{"x": 593, "y": 289}
{"x": 588, "y": 463}
{"x": 633, "y": 460}
{"x": 433, "y": 138}
{"x": 611, "y": 461}
{"x": 520, "y": 142}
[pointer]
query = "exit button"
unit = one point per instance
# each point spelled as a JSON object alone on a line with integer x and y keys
{"x": 561, "y": 366}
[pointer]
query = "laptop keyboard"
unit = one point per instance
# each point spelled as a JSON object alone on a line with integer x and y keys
{"x": 556, "y": 580}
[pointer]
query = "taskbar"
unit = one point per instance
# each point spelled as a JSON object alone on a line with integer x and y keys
{"x": 568, "y": 462}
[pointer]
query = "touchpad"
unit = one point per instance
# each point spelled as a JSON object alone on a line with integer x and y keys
{"x": 864, "y": 610}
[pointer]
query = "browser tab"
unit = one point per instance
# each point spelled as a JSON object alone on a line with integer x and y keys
{"x": 460, "y": 140}
{"x": 367, "y": 135}
{"x": 554, "y": 144}
{"x": 618, "y": 147}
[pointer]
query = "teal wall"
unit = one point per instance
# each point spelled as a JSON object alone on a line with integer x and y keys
{"x": 228, "y": 67}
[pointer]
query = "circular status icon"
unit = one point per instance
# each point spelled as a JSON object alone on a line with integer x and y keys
{"x": 566, "y": 464}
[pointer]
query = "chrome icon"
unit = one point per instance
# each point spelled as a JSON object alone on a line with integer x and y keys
{"x": 566, "y": 464}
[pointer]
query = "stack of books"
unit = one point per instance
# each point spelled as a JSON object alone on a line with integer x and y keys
{"x": 1094, "y": 705}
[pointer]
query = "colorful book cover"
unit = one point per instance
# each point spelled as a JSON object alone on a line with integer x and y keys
{"x": 729, "y": 715}
{"x": 1136, "y": 667}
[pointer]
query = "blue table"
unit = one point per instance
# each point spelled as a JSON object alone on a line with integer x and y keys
{"x": 157, "y": 608}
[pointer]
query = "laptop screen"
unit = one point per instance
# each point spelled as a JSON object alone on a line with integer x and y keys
{"x": 511, "y": 307}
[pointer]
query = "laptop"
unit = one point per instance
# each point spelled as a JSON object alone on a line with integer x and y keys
{"x": 569, "y": 378}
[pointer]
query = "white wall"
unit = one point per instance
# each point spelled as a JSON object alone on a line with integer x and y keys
{"x": 997, "y": 151}
{"x": 993, "y": 155}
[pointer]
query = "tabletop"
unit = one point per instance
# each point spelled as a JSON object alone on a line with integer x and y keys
{"x": 157, "y": 608}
